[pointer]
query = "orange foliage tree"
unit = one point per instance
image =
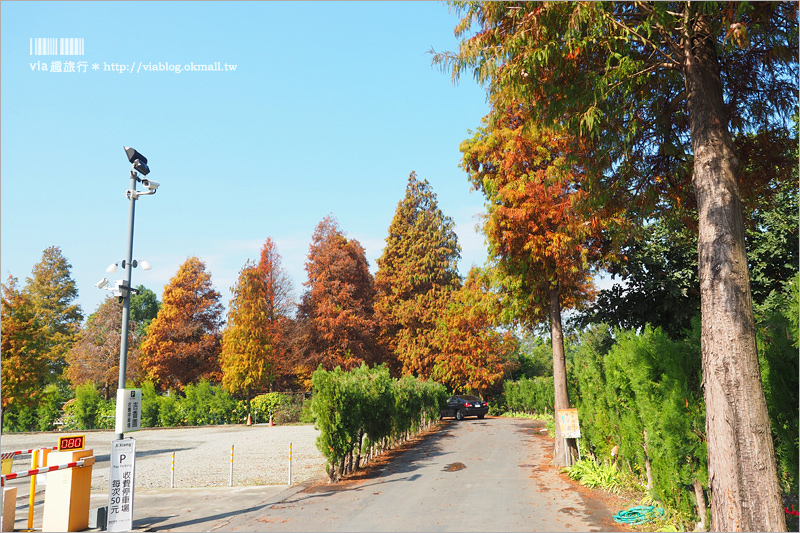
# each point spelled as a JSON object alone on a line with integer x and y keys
{"x": 471, "y": 351}
{"x": 543, "y": 244}
{"x": 417, "y": 272}
{"x": 254, "y": 346}
{"x": 337, "y": 324}
{"x": 94, "y": 358}
{"x": 24, "y": 347}
{"x": 183, "y": 341}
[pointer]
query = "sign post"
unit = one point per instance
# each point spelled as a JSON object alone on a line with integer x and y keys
{"x": 121, "y": 478}
{"x": 129, "y": 410}
{"x": 570, "y": 428}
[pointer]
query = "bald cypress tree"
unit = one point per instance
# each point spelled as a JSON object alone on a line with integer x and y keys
{"x": 660, "y": 90}
{"x": 337, "y": 325}
{"x": 183, "y": 341}
{"x": 52, "y": 293}
{"x": 416, "y": 274}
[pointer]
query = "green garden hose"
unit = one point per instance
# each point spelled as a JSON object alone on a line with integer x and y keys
{"x": 638, "y": 515}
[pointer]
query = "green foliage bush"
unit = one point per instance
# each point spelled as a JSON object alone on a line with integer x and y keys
{"x": 268, "y": 404}
{"x": 170, "y": 411}
{"x": 530, "y": 395}
{"x": 363, "y": 409}
{"x": 150, "y": 405}
{"x": 19, "y": 418}
{"x": 643, "y": 394}
{"x": 205, "y": 404}
{"x": 776, "y": 322}
{"x": 89, "y": 410}
{"x": 48, "y": 410}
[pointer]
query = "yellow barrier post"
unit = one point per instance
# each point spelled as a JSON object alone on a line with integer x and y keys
{"x": 172, "y": 474}
{"x": 290, "y": 464}
{"x": 32, "y": 496}
{"x": 230, "y": 480}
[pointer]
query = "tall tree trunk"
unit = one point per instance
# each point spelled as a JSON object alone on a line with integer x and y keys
{"x": 743, "y": 481}
{"x": 358, "y": 452}
{"x": 566, "y": 450}
{"x": 647, "y": 465}
{"x": 701, "y": 505}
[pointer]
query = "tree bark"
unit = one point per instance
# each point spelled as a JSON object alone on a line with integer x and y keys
{"x": 566, "y": 450}
{"x": 743, "y": 481}
{"x": 647, "y": 465}
{"x": 358, "y": 452}
{"x": 701, "y": 505}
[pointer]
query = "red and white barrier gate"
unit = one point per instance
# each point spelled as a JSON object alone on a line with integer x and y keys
{"x": 9, "y": 455}
{"x": 43, "y": 470}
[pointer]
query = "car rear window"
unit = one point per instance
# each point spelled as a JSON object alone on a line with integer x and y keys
{"x": 470, "y": 398}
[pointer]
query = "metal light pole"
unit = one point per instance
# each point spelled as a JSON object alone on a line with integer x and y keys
{"x": 139, "y": 163}
{"x": 126, "y": 298}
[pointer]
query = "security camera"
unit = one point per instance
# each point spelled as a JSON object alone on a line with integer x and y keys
{"x": 102, "y": 284}
{"x": 150, "y": 184}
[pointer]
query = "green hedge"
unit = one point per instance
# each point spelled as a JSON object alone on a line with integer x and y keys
{"x": 534, "y": 396}
{"x": 202, "y": 404}
{"x": 643, "y": 394}
{"x": 365, "y": 411}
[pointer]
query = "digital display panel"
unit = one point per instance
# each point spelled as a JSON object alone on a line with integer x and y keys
{"x": 72, "y": 443}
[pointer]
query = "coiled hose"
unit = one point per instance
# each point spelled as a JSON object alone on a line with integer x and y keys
{"x": 638, "y": 515}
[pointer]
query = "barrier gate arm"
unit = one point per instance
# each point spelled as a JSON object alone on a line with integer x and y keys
{"x": 9, "y": 455}
{"x": 87, "y": 461}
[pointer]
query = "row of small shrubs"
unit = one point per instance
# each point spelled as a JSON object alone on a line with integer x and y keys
{"x": 365, "y": 411}
{"x": 200, "y": 404}
{"x": 43, "y": 414}
{"x": 58, "y": 407}
{"x": 205, "y": 404}
{"x": 641, "y": 392}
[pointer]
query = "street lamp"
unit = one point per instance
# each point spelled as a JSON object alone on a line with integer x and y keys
{"x": 120, "y": 286}
{"x": 139, "y": 166}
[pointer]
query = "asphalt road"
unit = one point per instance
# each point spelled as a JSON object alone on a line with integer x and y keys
{"x": 474, "y": 475}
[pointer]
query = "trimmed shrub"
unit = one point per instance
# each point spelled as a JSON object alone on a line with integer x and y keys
{"x": 531, "y": 395}
{"x": 365, "y": 410}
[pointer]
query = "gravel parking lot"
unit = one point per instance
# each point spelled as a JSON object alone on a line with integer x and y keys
{"x": 202, "y": 455}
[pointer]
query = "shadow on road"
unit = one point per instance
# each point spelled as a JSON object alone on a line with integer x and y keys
{"x": 405, "y": 459}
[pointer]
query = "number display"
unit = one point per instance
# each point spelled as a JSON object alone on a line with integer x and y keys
{"x": 75, "y": 442}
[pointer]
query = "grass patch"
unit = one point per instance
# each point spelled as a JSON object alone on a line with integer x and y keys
{"x": 593, "y": 475}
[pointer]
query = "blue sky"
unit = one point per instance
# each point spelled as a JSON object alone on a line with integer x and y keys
{"x": 330, "y": 106}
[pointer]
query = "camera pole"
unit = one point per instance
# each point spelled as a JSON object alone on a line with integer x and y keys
{"x": 126, "y": 304}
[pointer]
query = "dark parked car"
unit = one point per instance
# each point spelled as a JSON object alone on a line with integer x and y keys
{"x": 461, "y": 406}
